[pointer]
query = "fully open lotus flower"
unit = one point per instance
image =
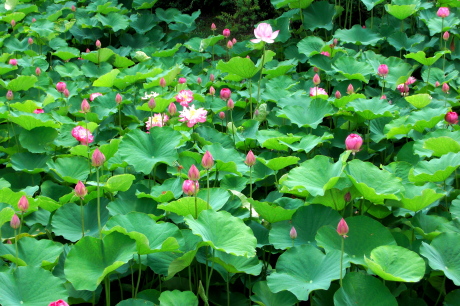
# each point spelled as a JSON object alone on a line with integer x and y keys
{"x": 264, "y": 32}
{"x": 184, "y": 97}
{"x": 83, "y": 135}
{"x": 316, "y": 91}
{"x": 353, "y": 142}
{"x": 156, "y": 120}
{"x": 192, "y": 116}
{"x": 94, "y": 96}
{"x": 58, "y": 303}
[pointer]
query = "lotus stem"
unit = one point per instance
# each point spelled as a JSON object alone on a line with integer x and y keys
{"x": 341, "y": 260}
{"x": 16, "y": 234}
{"x": 260, "y": 78}
{"x": 82, "y": 213}
{"x": 98, "y": 204}
{"x": 207, "y": 186}
{"x": 139, "y": 275}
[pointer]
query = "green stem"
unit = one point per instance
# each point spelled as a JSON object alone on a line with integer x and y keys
{"x": 441, "y": 291}
{"x": 250, "y": 99}
{"x": 16, "y": 234}
{"x": 196, "y": 204}
{"x": 250, "y": 191}
{"x": 341, "y": 260}
{"x": 190, "y": 277}
{"x": 98, "y": 204}
{"x": 210, "y": 275}
{"x": 82, "y": 213}
{"x": 207, "y": 186}
{"x": 233, "y": 128}
{"x": 139, "y": 275}
{"x": 260, "y": 78}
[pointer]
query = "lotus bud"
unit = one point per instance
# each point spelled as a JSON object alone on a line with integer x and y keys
{"x": 342, "y": 228}
{"x": 212, "y": 91}
{"x": 353, "y": 142}
{"x": 190, "y": 187}
{"x": 347, "y": 197}
{"x": 61, "y": 86}
{"x": 33, "y": 20}
{"x": 13, "y": 62}
{"x": 58, "y": 303}
{"x": 88, "y": 50}
{"x": 443, "y": 12}
{"x": 226, "y": 32}
{"x": 85, "y": 107}
{"x": 212, "y": 77}
{"x": 325, "y": 53}
{"x": 234, "y": 41}
{"x": 445, "y": 36}
{"x": 213, "y": 27}
{"x": 207, "y": 161}
{"x": 80, "y": 190}
{"x": 162, "y": 82}
{"x": 383, "y": 97}
{"x": 350, "y": 89}
{"x": 445, "y": 88}
{"x": 38, "y": 71}
{"x": 182, "y": 80}
{"x": 316, "y": 69}
{"x": 39, "y": 111}
{"x": 172, "y": 109}
{"x": 15, "y": 222}
{"x": 118, "y": 98}
{"x": 436, "y": 84}
{"x": 222, "y": 115}
{"x": 250, "y": 159}
{"x": 98, "y": 44}
{"x": 338, "y": 95}
{"x": 152, "y": 104}
{"x": 193, "y": 173}
{"x": 98, "y": 158}
{"x": 316, "y": 80}
{"x": 383, "y": 70}
{"x": 225, "y": 94}
{"x": 293, "y": 233}
{"x": 199, "y": 80}
{"x": 66, "y": 93}
{"x": 230, "y": 104}
{"x": 13, "y": 23}
{"x": 9, "y": 95}
{"x": 30, "y": 41}
{"x": 335, "y": 41}
{"x": 451, "y": 118}
{"x": 73, "y": 8}
{"x": 23, "y": 204}
{"x": 9, "y": 241}
{"x": 229, "y": 44}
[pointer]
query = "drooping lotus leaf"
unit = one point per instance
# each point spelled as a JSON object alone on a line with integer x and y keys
{"x": 416, "y": 198}
{"x": 237, "y": 264}
{"x": 422, "y": 59}
{"x": 353, "y": 69}
{"x": 419, "y": 100}
{"x": 435, "y": 170}
{"x": 310, "y": 45}
{"x": 401, "y": 11}
{"x": 264, "y": 296}
{"x": 319, "y": 15}
{"x": 371, "y": 3}
{"x": 359, "y": 36}
{"x": 186, "y": 206}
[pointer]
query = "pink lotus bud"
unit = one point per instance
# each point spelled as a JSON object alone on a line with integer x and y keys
{"x": 190, "y": 187}
{"x": 226, "y": 32}
{"x": 342, "y": 228}
{"x": 445, "y": 88}
{"x": 152, "y": 104}
{"x": 212, "y": 91}
{"x": 33, "y": 20}
{"x": 23, "y": 204}
{"x": 225, "y": 94}
{"x": 98, "y": 158}
{"x": 13, "y": 23}
{"x": 118, "y": 98}
{"x": 207, "y": 161}
{"x": 162, "y": 82}
{"x": 58, "y": 303}
{"x": 73, "y": 8}
{"x": 338, "y": 95}
{"x": 293, "y": 233}
{"x": 30, "y": 41}
{"x": 383, "y": 97}
{"x": 199, "y": 80}
{"x": 193, "y": 173}
{"x": 172, "y": 109}
{"x": 60, "y": 86}
{"x": 182, "y": 80}
{"x": 445, "y": 36}
{"x": 436, "y": 84}
{"x": 38, "y": 71}
{"x": 383, "y": 70}
{"x": 230, "y": 104}
{"x": 350, "y": 89}
{"x": 335, "y": 41}
{"x": 98, "y": 44}
{"x": 363, "y": 26}
{"x": 353, "y": 142}
{"x": 39, "y": 111}
{"x": 13, "y": 62}
{"x": 88, "y": 50}
{"x": 15, "y": 222}
{"x": 234, "y": 41}
{"x": 80, "y": 190}
{"x": 315, "y": 69}
{"x": 222, "y": 115}
{"x": 347, "y": 197}
{"x": 451, "y": 117}
{"x": 85, "y": 107}
{"x": 325, "y": 53}
{"x": 66, "y": 93}
{"x": 9, "y": 95}
{"x": 213, "y": 27}
{"x": 250, "y": 159}
{"x": 9, "y": 241}
{"x": 212, "y": 77}
{"x": 316, "y": 80}
{"x": 443, "y": 12}
{"x": 229, "y": 44}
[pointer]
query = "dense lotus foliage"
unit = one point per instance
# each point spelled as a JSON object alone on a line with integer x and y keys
{"x": 314, "y": 161}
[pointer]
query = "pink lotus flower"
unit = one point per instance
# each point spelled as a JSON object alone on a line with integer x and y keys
{"x": 207, "y": 161}
{"x": 443, "y": 12}
{"x": 172, "y": 109}
{"x": 338, "y": 95}
{"x": 162, "y": 82}
{"x": 325, "y": 53}
{"x": 410, "y": 80}
{"x": 94, "y": 96}
{"x": 15, "y": 222}
{"x": 451, "y": 117}
{"x": 61, "y": 86}
{"x": 229, "y": 44}
{"x": 118, "y": 98}
{"x": 152, "y": 104}
{"x": 184, "y": 97}
{"x": 316, "y": 91}
{"x": 58, "y": 303}
{"x": 213, "y": 27}
{"x": 226, "y": 32}
{"x": 193, "y": 173}
{"x": 66, "y": 93}
{"x": 264, "y": 32}
{"x": 403, "y": 89}
{"x": 38, "y": 71}
{"x": 190, "y": 187}
{"x": 250, "y": 159}
{"x": 30, "y": 41}
{"x": 82, "y": 135}
{"x": 212, "y": 77}
{"x": 39, "y": 111}
{"x": 182, "y": 80}
{"x": 225, "y": 94}
{"x": 199, "y": 80}
{"x": 98, "y": 158}
{"x": 80, "y": 190}
{"x": 230, "y": 104}
{"x": 353, "y": 142}
{"x": 13, "y": 62}
{"x": 85, "y": 107}
{"x": 212, "y": 91}
{"x": 98, "y": 44}
{"x": 9, "y": 95}
{"x": 342, "y": 228}
{"x": 316, "y": 80}
{"x": 293, "y": 233}
{"x": 192, "y": 116}
{"x": 446, "y": 36}
{"x": 23, "y": 204}
{"x": 383, "y": 70}
{"x": 222, "y": 115}
{"x": 156, "y": 120}
{"x": 350, "y": 89}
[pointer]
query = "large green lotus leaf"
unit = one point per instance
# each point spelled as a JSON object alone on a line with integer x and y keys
{"x": 319, "y": 15}
{"x": 67, "y": 222}
{"x": 374, "y": 184}
{"x": 452, "y": 298}
{"x": 441, "y": 145}
{"x": 120, "y": 182}
{"x": 444, "y": 254}
{"x": 227, "y": 159}
{"x": 29, "y": 162}
{"x": 32, "y": 252}
{"x": 401, "y": 11}
{"x": 343, "y": 101}
{"x": 400, "y": 40}
{"x": 95, "y": 71}
{"x": 307, "y": 220}
{"x": 264, "y": 296}
{"x": 417, "y": 120}
{"x": 440, "y": 25}
{"x": 395, "y": 263}
{"x": 303, "y": 269}
{"x": 67, "y": 53}
{"x": 15, "y": 45}
{"x": 143, "y": 151}
{"x": 292, "y": 3}
{"x": 316, "y": 109}
{"x": 427, "y": 226}
{"x": 70, "y": 169}
{"x": 362, "y": 290}
{"x": 357, "y": 35}
{"x": 371, "y": 108}
{"x": 237, "y": 264}
{"x": 38, "y": 139}
{"x": 99, "y": 56}
{"x": 5, "y": 68}
{"x": 364, "y": 235}
{"x": 243, "y": 67}
{"x": 308, "y": 142}
{"x": 271, "y": 139}
{"x": 30, "y": 121}
{"x": 69, "y": 70}
{"x": 416, "y": 198}
{"x": 419, "y": 100}
{"x": 435, "y": 170}
{"x": 150, "y": 237}
{"x": 133, "y": 200}
{"x": 121, "y": 61}
{"x": 315, "y": 175}
{"x": 422, "y": 59}
{"x": 371, "y": 3}
{"x": 30, "y": 286}
{"x": 6, "y": 214}
{"x": 186, "y": 206}
{"x": 223, "y": 232}
{"x": 22, "y": 82}
{"x": 91, "y": 259}
{"x": 142, "y": 23}
{"x": 310, "y": 45}
{"x": 16, "y": 16}
{"x": 218, "y": 197}
{"x": 178, "y": 298}
{"x": 136, "y": 302}
{"x": 106, "y": 80}
{"x": 271, "y": 212}
{"x": 353, "y": 69}
{"x": 114, "y": 20}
